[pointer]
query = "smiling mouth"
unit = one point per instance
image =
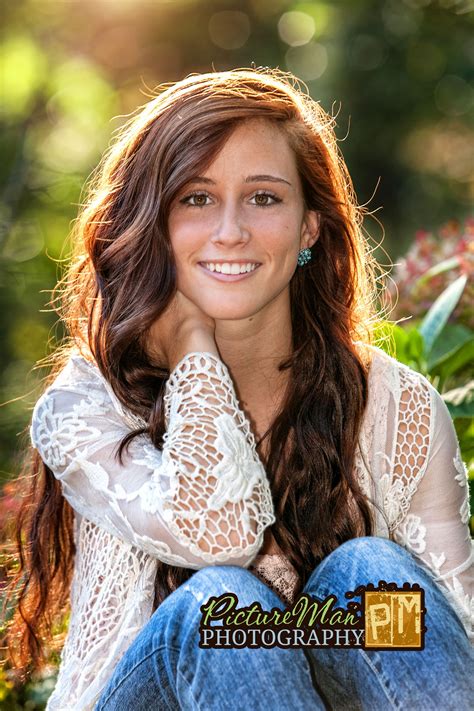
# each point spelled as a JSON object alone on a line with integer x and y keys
{"x": 228, "y": 272}
{"x": 230, "y": 267}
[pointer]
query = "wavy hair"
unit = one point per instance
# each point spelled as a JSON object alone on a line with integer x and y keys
{"x": 121, "y": 277}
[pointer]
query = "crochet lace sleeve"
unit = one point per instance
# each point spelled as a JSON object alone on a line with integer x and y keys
{"x": 431, "y": 513}
{"x": 203, "y": 499}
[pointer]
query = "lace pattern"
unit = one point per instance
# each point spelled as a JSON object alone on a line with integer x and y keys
{"x": 410, "y": 442}
{"x": 217, "y": 484}
{"x": 122, "y": 601}
{"x": 278, "y": 573}
{"x": 411, "y": 446}
{"x": 205, "y": 497}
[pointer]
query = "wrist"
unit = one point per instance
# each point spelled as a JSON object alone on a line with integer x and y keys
{"x": 199, "y": 340}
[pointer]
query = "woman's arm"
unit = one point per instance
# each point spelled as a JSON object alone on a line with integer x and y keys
{"x": 436, "y": 527}
{"x": 204, "y": 499}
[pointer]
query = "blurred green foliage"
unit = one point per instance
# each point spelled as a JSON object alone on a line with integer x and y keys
{"x": 444, "y": 353}
{"x": 398, "y": 74}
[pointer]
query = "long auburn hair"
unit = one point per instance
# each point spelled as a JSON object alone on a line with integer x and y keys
{"x": 121, "y": 277}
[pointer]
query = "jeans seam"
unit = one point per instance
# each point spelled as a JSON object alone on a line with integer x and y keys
{"x": 380, "y": 679}
{"x": 143, "y": 659}
{"x": 314, "y": 679}
{"x": 189, "y": 690}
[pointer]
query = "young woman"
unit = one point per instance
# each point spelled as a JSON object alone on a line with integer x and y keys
{"x": 220, "y": 420}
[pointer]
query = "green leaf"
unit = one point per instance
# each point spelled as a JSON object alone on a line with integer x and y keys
{"x": 440, "y": 268}
{"x": 415, "y": 345}
{"x": 460, "y": 401}
{"x": 464, "y": 428}
{"x": 452, "y": 339}
{"x": 400, "y": 338}
{"x": 439, "y": 313}
{"x": 461, "y": 359}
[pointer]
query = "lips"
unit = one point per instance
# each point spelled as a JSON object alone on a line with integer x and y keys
{"x": 228, "y": 277}
{"x": 227, "y": 266}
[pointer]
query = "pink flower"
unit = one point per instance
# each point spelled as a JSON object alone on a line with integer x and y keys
{"x": 426, "y": 251}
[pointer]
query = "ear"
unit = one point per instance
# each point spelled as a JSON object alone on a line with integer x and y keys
{"x": 310, "y": 229}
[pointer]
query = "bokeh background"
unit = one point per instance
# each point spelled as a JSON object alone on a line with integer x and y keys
{"x": 396, "y": 73}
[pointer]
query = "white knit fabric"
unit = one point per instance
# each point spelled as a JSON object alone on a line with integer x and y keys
{"x": 205, "y": 498}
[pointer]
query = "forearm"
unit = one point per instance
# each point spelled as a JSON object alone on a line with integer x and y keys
{"x": 219, "y": 499}
{"x": 201, "y": 499}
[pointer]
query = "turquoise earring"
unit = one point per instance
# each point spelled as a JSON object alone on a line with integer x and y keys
{"x": 304, "y": 256}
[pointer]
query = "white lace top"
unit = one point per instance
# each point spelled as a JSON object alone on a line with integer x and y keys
{"x": 205, "y": 498}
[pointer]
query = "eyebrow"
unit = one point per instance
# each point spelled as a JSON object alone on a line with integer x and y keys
{"x": 248, "y": 179}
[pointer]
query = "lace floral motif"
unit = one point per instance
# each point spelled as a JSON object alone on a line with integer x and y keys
{"x": 462, "y": 479}
{"x": 393, "y": 493}
{"x": 215, "y": 465}
{"x": 411, "y": 534}
{"x": 207, "y": 478}
{"x": 236, "y": 474}
{"x": 205, "y": 497}
{"x": 71, "y": 431}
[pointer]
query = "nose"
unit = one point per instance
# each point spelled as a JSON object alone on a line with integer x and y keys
{"x": 230, "y": 231}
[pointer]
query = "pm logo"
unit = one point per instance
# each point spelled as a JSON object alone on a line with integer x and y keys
{"x": 394, "y": 617}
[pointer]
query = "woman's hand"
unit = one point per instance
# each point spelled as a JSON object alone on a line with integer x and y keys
{"x": 182, "y": 328}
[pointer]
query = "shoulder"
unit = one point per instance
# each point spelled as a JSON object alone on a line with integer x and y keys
{"x": 79, "y": 386}
{"x": 403, "y": 382}
{"x": 76, "y": 376}
{"x": 404, "y": 416}
{"x": 404, "y": 410}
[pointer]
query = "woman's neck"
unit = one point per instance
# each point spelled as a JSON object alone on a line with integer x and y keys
{"x": 252, "y": 349}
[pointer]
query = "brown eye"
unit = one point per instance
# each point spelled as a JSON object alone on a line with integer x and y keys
{"x": 264, "y": 202}
{"x": 197, "y": 196}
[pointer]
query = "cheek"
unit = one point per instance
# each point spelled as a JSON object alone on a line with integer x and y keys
{"x": 184, "y": 245}
{"x": 282, "y": 247}
{"x": 180, "y": 241}
{"x": 279, "y": 232}
{"x": 182, "y": 232}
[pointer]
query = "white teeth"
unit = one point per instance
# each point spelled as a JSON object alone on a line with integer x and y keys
{"x": 228, "y": 268}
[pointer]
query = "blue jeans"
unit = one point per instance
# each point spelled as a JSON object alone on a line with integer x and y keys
{"x": 164, "y": 668}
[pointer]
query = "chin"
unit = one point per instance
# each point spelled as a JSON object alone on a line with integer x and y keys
{"x": 232, "y": 315}
{"x": 222, "y": 312}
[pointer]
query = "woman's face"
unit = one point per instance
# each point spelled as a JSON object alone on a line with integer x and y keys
{"x": 247, "y": 209}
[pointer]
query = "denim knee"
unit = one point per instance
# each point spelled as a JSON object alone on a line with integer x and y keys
{"x": 220, "y": 575}
{"x": 216, "y": 580}
{"x": 181, "y": 610}
{"x": 363, "y": 560}
{"x": 369, "y": 553}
